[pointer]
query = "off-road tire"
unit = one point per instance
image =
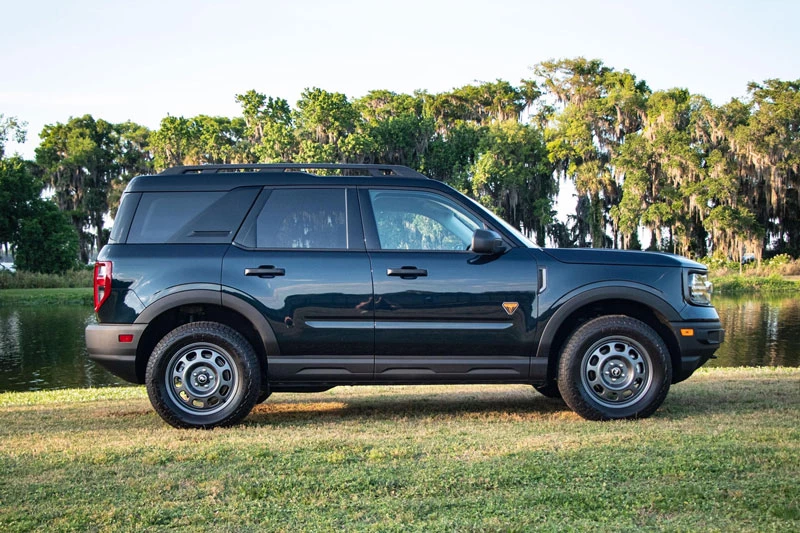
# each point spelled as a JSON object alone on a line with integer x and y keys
{"x": 614, "y": 367}
{"x": 203, "y": 375}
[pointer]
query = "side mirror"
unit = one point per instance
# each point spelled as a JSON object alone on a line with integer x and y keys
{"x": 485, "y": 241}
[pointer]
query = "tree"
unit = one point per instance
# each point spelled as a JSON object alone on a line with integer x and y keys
{"x": 269, "y": 127}
{"x": 767, "y": 148}
{"x": 599, "y": 107}
{"x": 392, "y": 129}
{"x": 659, "y": 165}
{"x": 324, "y": 120}
{"x": 47, "y": 242}
{"x": 172, "y": 142}
{"x": 450, "y": 155}
{"x": 82, "y": 160}
{"x": 134, "y": 159}
{"x": 19, "y": 189}
{"x": 11, "y": 128}
{"x": 79, "y": 162}
{"x": 513, "y": 176}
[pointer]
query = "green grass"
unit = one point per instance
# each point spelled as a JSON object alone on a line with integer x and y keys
{"x": 740, "y": 284}
{"x": 723, "y": 453}
{"x": 80, "y": 296}
{"x": 35, "y": 280}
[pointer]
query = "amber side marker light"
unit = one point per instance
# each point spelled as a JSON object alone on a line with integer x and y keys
{"x": 688, "y": 332}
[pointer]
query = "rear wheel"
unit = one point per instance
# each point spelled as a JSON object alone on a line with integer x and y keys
{"x": 614, "y": 367}
{"x": 203, "y": 375}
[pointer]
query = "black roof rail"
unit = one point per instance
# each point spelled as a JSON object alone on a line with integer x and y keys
{"x": 364, "y": 169}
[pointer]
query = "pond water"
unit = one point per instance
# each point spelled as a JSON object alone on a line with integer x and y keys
{"x": 42, "y": 347}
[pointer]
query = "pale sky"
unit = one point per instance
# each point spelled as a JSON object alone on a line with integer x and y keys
{"x": 144, "y": 59}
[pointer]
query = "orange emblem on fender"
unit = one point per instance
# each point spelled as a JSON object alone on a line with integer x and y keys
{"x": 510, "y": 307}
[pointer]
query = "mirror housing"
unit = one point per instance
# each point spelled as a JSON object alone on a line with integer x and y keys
{"x": 486, "y": 241}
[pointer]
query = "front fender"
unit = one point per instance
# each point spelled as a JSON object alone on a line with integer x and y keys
{"x": 574, "y": 300}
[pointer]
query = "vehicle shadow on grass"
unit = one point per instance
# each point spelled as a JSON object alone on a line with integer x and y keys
{"x": 686, "y": 401}
{"x": 486, "y": 406}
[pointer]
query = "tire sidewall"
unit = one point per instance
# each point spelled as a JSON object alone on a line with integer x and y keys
{"x": 571, "y": 367}
{"x": 241, "y": 355}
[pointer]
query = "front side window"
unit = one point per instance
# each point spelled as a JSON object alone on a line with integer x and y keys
{"x": 419, "y": 220}
{"x": 303, "y": 218}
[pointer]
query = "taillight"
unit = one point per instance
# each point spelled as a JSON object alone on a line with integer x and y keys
{"x": 102, "y": 283}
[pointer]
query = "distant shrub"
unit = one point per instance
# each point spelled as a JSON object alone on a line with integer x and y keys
{"x": 778, "y": 260}
{"x": 718, "y": 261}
{"x": 752, "y": 284}
{"x": 35, "y": 280}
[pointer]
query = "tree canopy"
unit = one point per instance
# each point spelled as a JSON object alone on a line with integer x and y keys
{"x": 694, "y": 177}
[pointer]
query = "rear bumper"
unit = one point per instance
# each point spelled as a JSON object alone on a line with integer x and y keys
{"x": 104, "y": 347}
{"x": 697, "y": 340}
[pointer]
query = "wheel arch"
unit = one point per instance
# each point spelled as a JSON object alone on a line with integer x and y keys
{"x": 171, "y": 311}
{"x": 630, "y": 301}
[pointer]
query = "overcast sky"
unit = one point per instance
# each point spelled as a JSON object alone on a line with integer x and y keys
{"x": 143, "y": 59}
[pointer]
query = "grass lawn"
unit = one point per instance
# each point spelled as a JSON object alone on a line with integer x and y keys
{"x": 46, "y": 296}
{"x": 723, "y": 453}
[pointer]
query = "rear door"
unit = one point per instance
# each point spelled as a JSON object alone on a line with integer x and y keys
{"x": 300, "y": 259}
{"x": 443, "y": 312}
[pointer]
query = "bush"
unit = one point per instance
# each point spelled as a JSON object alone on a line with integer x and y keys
{"x": 778, "y": 260}
{"x": 719, "y": 262}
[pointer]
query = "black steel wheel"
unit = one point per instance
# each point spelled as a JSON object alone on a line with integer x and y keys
{"x": 203, "y": 375}
{"x": 614, "y": 367}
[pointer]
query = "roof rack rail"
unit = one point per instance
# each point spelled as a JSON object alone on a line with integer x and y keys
{"x": 364, "y": 169}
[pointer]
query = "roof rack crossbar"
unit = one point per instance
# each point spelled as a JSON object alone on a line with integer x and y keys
{"x": 367, "y": 169}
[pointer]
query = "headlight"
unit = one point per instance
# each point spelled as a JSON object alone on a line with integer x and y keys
{"x": 700, "y": 288}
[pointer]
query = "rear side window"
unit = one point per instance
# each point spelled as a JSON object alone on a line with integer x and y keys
{"x": 122, "y": 222}
{"x": 303, "y": 218}
{"x": 190, "y": 217}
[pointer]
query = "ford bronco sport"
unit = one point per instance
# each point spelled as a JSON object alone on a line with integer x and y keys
{"x": 223, "y": 284}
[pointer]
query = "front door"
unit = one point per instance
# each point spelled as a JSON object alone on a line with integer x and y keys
{"x": 443, "y": 312}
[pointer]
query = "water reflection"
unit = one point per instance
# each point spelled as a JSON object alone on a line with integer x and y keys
{"x": 759, "y": 332}
{"x": 42, "y": 347}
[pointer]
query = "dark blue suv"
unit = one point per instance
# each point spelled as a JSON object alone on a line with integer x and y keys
{"x": 222, "y": 284}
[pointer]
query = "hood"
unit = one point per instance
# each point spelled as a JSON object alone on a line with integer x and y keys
{"x": 599, "y": 256}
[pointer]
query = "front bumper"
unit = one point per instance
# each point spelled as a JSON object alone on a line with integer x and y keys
{"x": 105, "y": 347}
{"x": 697, "y": 340}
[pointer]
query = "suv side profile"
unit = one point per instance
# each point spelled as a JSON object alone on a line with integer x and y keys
{"x": 222, "y": 284}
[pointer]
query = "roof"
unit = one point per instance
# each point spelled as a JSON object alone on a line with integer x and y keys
{"x": 227, "y": 177}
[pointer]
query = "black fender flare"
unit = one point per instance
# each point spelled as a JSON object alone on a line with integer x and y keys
{"x": 220, "y": 299}
{"x": 571, "y": 303}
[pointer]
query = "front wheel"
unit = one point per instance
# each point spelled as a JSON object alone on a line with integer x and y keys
{"x": 614, "y": 367}
{"x": 203, "y": 375}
